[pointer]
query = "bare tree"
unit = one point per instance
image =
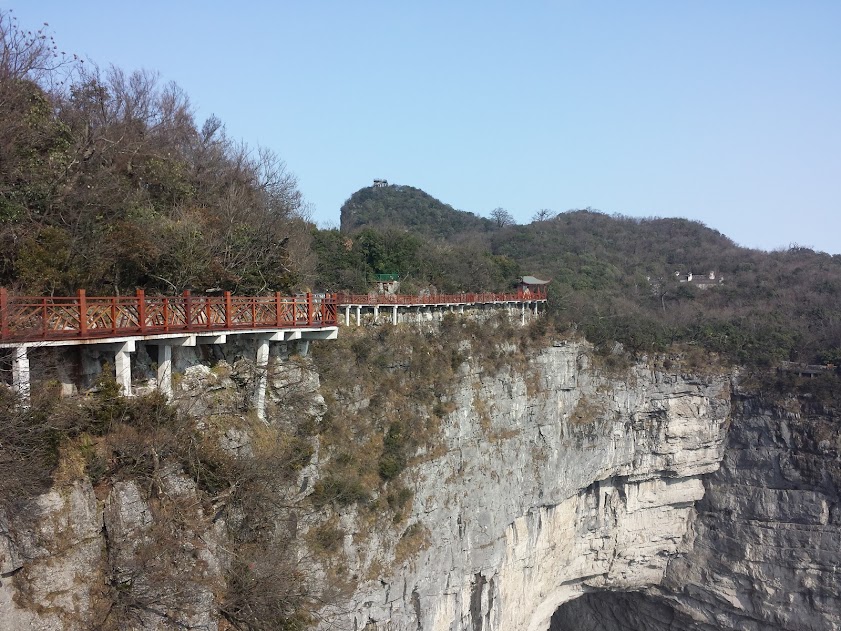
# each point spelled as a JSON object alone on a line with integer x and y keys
{"x": 544, "y": 214}
{"x": 502, "y": 217}
{"x": 27, "y": 54}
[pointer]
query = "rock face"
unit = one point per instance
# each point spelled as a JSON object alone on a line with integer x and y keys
{"x": 60, "y": 571}
{"x": 767, "y": 551}
{"x": 766, "y": 541}
{"x": 560, "y": 495}
{"x": 552, "y": 482}
{"x": 46, "y": 568}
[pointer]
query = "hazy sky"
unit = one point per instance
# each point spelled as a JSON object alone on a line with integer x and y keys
{"x": 728, "y": 112}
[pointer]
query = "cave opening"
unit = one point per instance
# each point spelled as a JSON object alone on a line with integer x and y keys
{"x": 620, "y": 611}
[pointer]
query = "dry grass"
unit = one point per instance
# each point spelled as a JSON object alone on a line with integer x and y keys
{"x": 415, "y": 539}
{"x": 586, "y": 411}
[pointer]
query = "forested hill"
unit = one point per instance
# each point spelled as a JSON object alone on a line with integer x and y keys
{"x": 590, "y": 250}
{"x": 407, "y": 207}
{"x": 616, "y": 278}
{"x": 613, "y": 277}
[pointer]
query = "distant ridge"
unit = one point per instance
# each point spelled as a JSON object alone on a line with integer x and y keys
{"x": 410, "y": 208}
{"x": 614, "y": 278}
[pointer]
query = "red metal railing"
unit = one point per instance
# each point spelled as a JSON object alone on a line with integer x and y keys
{"x": 439, "y": 299}
{"x": 26, "y": 318}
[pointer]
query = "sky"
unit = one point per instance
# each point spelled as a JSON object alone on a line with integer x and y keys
{"x": 726, "y": 112}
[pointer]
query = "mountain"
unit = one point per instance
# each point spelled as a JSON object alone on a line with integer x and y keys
{"x": 615, "y": 278}
{"x": 410, "y": 208}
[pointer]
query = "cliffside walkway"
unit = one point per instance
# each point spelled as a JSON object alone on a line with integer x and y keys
{"x": 81, "y": 318}
{"x": 452, "y": 302}
{"x": 118, "y": 323}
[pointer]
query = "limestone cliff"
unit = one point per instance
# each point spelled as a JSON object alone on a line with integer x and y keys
{"x": 562, "y": 481}
{"x": 555, "y": 492}
{"x": 764, "y": 550}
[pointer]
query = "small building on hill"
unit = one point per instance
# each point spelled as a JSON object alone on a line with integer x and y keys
{"x": 380, "y": 183}
{"x": 700, "y": 281}
{"x": 531, "y": 285}
{"x": 387, "y": 283}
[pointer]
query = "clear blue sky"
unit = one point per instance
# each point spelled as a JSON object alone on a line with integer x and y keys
{"x": 728, "y": 112}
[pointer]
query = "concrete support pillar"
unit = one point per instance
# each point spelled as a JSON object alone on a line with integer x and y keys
{"x": 122, "y": 367}
{"x": 535, "y": 308}
{"x": 262, "y": 368}
{"x": 63, "y": 374}
{"x": 394, "y": 315}
{"x": 376, "y": 313}
{"x": 461, "y": 308}
{"x": 20, "y": 374}
{"x": 303, "y": 347}
{"x": 358, "y": 316}
{"x": 347, "y": 315}
{"x": 523, "y": 314}
{"x": 165, "y": 370}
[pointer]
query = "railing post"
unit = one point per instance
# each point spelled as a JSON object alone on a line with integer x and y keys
{"x": 165, "y": 310}
{"x": 227, "y": 296}
{"x": 309, "y": 309}
{"x": 141, "y": 310}
{"x": 277, "y": 306}
{"x": 4, "y": 313}
{"x": 188, "y": 316}
{"x": 208, "y": 312}
{"x": 83, "y": 313}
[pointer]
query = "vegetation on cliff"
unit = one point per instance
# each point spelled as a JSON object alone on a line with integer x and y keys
{"x": 406, "y": 380}
{"x": 192, "y": 489}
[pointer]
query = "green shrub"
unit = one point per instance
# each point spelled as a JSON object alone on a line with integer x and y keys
{"x": 338, "y": 491}
{"x": 393, "y": 458}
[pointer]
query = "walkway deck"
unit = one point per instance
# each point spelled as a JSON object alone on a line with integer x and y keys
{"x": 118, "y": 323}
{"x": 390, "y": 300}
{"x": 53, "y": 320}
{"x": 376, "y": 302}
